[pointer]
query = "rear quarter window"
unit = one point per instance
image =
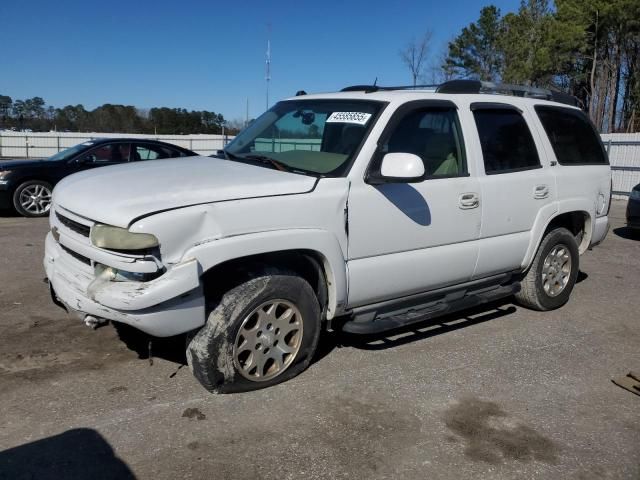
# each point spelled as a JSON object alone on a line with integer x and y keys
{"x": 574, "y": 139}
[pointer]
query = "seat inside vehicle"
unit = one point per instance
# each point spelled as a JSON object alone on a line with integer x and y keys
{"x": 437, "y": 150}
{"x": 350, "y": 138}
{"x": 439, "y": 155}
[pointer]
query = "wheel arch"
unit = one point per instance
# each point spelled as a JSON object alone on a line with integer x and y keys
{"x": 578, "y": 221}
{"x": 314, "y": 255}
{"x": 16, "y": 182}
{"x": 305, "y": 263}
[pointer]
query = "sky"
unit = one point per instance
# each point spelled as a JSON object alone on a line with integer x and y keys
{"x": 209, "y": 55}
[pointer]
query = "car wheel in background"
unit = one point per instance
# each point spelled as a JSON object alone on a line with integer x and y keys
{"x": 33, "y": 198}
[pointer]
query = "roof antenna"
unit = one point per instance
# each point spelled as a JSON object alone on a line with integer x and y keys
{"x": 267, "y": 75}
{"x": 375, "y": 82}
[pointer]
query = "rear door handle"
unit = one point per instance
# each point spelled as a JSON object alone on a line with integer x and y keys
{"x": 541, "y": 191}
{"x": 469, "y": 200}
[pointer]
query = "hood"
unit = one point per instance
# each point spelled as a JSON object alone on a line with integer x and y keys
{"x": 13, "y": 164}
{"x": 117, "y": 195}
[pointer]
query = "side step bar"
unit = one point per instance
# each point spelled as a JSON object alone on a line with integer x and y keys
{"x": 450, "y": 300}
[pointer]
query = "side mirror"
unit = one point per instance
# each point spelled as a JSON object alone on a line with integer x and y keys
{"x": 398, "y": 168}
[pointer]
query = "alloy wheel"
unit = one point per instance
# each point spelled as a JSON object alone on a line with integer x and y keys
{"x": 268, "y": 340}
{"x": 556, "y": 270}
{"x": 35, "y": 199}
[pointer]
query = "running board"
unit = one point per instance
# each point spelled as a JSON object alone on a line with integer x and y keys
{"x": 381, "y": 321}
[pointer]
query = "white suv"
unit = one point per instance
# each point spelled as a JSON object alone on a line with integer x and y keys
{"x": 376, "y": 206}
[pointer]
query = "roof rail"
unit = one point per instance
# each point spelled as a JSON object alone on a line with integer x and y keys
{"x": 361, "y": 88}
{"x": 477, "y": 86}
{"x": 376, "y": 88}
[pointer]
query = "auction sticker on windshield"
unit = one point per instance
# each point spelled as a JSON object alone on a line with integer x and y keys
{"x": 359, "y": 118}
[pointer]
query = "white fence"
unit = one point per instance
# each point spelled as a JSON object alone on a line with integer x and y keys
{"x": 624, "y": 156}
{"x": 287, "y": 144}
{"x": 623, "y": 149}
{"x": 42, "y": 145}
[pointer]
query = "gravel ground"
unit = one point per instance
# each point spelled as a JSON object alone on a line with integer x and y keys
{"x": 501, "y": 392}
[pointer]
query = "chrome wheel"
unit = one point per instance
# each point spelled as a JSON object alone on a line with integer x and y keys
{"x": 556, "y": 270}
{"x": 268, "y": 340}
{"x": 35, "y": 199}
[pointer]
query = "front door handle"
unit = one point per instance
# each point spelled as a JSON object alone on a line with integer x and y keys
{"x": 469, "y": 200}
{"x": 540, "y": 192}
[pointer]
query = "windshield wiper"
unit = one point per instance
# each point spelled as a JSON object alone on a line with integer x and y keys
{"x": 228, "y": 155}
{"x": 268, "y": 160}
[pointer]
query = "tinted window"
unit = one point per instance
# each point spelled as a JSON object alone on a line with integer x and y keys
{"x": 108, "y": 153}
{"x": 507, "y": 144}
{"x": 434, "y": 135}
{"x": 572, "y": 137}
{"x": 154, "y": 152}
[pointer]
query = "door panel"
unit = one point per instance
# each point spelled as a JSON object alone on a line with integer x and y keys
{"x": 406, "y": 238}
{"x": 409, "y": 238}
{"x": 395, "y": 218}
{"x": 516, "y": 187}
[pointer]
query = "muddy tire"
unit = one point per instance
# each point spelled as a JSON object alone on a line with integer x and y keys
{"x": 260, "y": 333}
{"x": 553, "y": 272}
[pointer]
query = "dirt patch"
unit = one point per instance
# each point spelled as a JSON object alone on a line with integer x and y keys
{"x": 117, "y": 389}
{"x": 51, "y": 347}
{"x": 348, "y": 435}
{"x": 490, "y": 436}
{"x": 193, "y": 413}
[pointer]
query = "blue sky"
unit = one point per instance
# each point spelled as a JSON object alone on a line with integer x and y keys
{"x": 209, "y": 55}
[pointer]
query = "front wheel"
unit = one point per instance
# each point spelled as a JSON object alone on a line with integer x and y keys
{"x": 553, "y": 272}
{"x": 261, "y": 333}
{"x": 33, "y": 198}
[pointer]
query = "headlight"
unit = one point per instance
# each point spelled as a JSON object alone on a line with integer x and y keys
{"x": 116, "y": 238}
{"x": 3, "y": 175}
{"x": 114, "y": 275}
{"x": 635, "y": 194}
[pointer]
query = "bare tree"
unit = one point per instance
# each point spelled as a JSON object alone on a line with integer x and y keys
{"x": 415, "y": 54}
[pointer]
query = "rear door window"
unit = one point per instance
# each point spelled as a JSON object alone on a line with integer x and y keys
{"x": 153, "y": 152}
{"x": 506, "y": 141}
{"x": 108, "y": 153}
{"x": 572, "y": 136}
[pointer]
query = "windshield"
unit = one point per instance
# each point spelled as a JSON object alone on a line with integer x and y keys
{"x": 70, "y": 152}
{"x": 310, "y": 136}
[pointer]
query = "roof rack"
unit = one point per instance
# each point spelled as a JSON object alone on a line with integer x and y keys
{"x": 376, "y": 88}
{"x": 477, "y": 86}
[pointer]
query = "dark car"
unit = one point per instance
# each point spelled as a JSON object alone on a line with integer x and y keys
{"x": 633, "y": 209}
{"x": 26, "y": 185}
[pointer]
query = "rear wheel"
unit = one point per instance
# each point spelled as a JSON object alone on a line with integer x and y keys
{"x": 261, "y": 333}
{"x": 550, "y": 280}
{"x": 33, "y": 198}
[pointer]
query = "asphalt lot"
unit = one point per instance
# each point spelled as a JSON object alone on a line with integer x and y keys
{"x": 497, "y": 393}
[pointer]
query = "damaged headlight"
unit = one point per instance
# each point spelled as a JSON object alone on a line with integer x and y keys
{"x": 116, "y": 238}
{"x": 114, "y": 275}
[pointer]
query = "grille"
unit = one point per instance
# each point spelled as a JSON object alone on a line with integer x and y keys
{"x": 76, "y": 255}
{"x": 73, "y": 225}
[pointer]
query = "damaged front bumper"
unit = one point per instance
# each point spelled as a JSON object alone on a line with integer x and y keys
{"x": 168, "y": 305}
